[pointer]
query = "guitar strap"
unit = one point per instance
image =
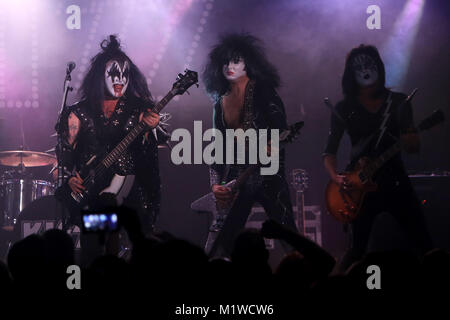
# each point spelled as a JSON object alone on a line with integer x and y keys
{"x": 386, "y": 116}
{"x": 247, "y": 121}
{"x": 358, "y": 149}
{"x": 248, "y": 105}
{"x": 248, "y": 110}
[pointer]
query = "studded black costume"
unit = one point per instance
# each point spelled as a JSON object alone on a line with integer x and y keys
{"x": 98, "y": 133}
{"x": 263, "y": 109}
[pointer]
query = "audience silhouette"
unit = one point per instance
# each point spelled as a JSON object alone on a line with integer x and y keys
{"x": 171, "y": 271}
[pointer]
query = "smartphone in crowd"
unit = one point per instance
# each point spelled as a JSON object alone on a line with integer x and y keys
{"x": 100, "y": 221}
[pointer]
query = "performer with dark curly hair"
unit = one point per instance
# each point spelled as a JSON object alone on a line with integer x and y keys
{"x": 375, "y": 118}
{"x": 242, "y": 83}
{"x": 114, "y": 97}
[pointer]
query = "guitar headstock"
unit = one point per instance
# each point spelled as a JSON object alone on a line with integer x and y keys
{"x": 292, "y": 132}
{"x": 300, "y": 180}
{"x": 184, "y": 82}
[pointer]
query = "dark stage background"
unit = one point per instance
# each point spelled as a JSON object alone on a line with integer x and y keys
{"x": 306, "y": 40}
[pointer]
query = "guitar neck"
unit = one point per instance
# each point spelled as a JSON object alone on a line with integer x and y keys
{"x": 244, "y": 176}
{"x": 163, "y": 102}
{"x": 426, "y": 124}
{"x": 382, "y": 159}
{"x": 113, "y": 156}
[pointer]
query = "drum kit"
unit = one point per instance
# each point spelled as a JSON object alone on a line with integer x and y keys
{"x": 18, "y": 188}
{"x": 27, "y": 204}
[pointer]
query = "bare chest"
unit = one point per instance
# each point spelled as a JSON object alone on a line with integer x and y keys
{"x": 108, "y": 108}
{"x": 233, "y": 107}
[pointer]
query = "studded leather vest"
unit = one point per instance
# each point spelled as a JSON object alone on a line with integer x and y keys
{"x": 99, "y": 134}
{"x": 263, "y": 109}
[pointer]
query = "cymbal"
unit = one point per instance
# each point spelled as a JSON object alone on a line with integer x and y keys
{"x": 28, "y": 158}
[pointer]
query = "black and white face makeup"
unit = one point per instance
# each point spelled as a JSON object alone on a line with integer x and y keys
{"x": 365, "y": 70}
{"x": 117, "y": 77}
{"x": 234, "y": 69}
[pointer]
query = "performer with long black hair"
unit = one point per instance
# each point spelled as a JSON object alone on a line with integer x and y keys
{"x": 114, "y": 97}
{"x": 375, "y": 118}
{"x": 242, "y": 83}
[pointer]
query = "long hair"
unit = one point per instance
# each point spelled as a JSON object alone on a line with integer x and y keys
{"x": 93, "y": 87}
{"x": 350, "y": 87}
{"x": 231, "y": 47}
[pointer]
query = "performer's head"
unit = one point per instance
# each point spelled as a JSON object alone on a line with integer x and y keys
{"x": 112, "y": 74}
{"x": 363, "y": 69}
{"x": 234, "y": 57}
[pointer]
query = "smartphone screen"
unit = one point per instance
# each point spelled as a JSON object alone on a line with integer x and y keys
{"x": 99, "y": 222}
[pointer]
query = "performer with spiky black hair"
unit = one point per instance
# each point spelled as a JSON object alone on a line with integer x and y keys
{"x": 114, "y": 97}
{"x": 242, "y": 83}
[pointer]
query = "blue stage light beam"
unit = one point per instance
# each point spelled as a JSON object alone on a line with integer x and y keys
{"x": 398, "y": 48}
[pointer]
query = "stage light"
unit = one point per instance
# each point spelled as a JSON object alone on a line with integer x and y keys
{"x": 173, "y": 15}
{"x": 398, "y": 47}
{"x": 208, "y": 7}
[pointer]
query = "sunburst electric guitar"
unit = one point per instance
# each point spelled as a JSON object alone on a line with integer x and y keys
{"x": 345, "y": 204}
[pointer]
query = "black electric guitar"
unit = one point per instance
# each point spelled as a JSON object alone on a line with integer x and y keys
{"x": 208, "y": 204}
{"x": 97, "y": 174}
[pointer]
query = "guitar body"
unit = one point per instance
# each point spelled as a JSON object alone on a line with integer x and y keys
{"x": 93, "y": 186}
{"x": 97, "y": 174}
{"x": 345, "y": 205}
{"x": 208, "y": 204}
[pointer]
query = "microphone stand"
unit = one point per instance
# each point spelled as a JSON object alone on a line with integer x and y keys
{"x": 59, "y": 130}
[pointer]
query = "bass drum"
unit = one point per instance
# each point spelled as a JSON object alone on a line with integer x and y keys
{"x": 44, "y": 214}
{"x": 17, "y": 194}
{"x": 47, "y": 213}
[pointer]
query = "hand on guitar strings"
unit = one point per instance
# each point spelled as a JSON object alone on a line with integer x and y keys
{"x": 151, "y": 119}
{"x": 410, "y": 141}
{"x": 76, "y": 183}
{"x": 342, "y": 181}
{"x": 223, "y": 195}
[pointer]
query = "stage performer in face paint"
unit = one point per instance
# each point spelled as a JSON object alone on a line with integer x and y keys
{"x": 375, "y": 118}
{"x": 114, "y": 97}
{"x": 242, "y": 83}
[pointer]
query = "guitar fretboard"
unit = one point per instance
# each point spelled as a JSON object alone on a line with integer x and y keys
{"x": 114, "y": 155}
{"x": 244, "y": 176}
{"x": 164, "y": 101}
{"x": 370, "y": 170}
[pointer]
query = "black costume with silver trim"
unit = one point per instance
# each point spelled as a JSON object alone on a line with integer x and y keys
{"x": 263, "y": 109}
{"x": 98, "y": 133}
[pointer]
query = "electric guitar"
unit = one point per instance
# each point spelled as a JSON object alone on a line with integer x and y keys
{"x": 97, "y": 173}
{"x": 208, "y": 204}
{"x": 345, "y": 205}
